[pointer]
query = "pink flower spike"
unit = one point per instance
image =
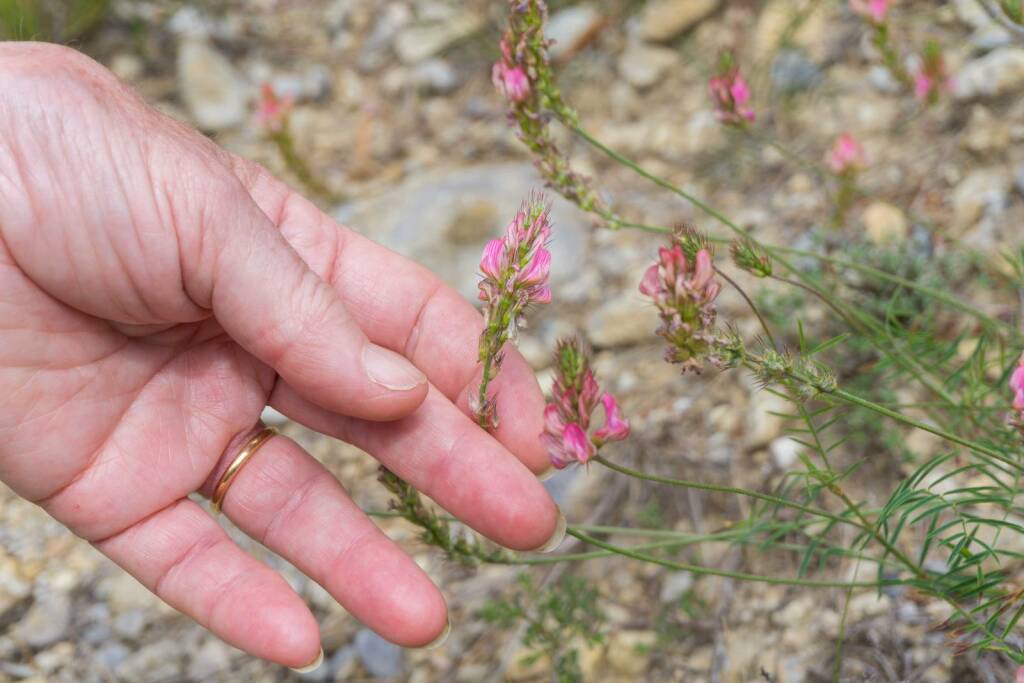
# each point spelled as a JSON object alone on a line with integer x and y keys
{"x": 272, "y": 111}
{"x": 576, "y": 443}
{"x": 731, "y": 96}
{"x": 846, "y": 155}
{"x": 1017, "y": 386}
{"x": 874, "y": 11}
{"x": 615, "y": 427}
{"x": 1017, "y": 378}
{"x": 922, "y": 86}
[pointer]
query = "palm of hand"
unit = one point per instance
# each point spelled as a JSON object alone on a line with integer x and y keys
{"x": 144, "y": 327}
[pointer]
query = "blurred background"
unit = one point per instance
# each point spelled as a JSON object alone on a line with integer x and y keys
{"x": 396, "y": 117}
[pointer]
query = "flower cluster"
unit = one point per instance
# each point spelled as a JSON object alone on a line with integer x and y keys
{"x": 874, "y": 11}
{"x": 524, "y": 78}
{"x": 515, "y": 272}
{"x": 684, "y": 290}
{"x": 272, "y": 111}
{"x": 751, "y": 258}
{"x": 930, "y": 76}
{"x": 510, "y": 78}
{"x": 846, "y": 156}
{"x": 1017, "y": 387}
{"x": 574, "y": 398}
{"x": 731, "y": 94}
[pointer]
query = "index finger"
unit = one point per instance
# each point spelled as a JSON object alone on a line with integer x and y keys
{"x": 403, "y": 306}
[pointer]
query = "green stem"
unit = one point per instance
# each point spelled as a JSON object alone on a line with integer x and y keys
{"x": 701, "y": 486}
{"x": 742, "y": 576}
{"x": 978, "y": 448}
{"x": 750, "y": 304}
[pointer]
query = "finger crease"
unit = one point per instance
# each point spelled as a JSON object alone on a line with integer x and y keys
{"x": 294, "y": 502}
{"x": 413, "y": 338}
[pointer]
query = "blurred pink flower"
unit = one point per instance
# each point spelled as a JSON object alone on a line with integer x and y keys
{"x": 930, "y": 76}
{"x": 846, "y": 155}
{"x": 731, "y": 96}
{"x": 1017, "y": 386}
{"x": 509, "y": 77}
{"x": 272, "y": 111}
{"x": 1019, "y": 678}
{"x": 873, "y": 10}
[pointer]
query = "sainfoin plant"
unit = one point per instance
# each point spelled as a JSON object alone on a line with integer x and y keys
{"x": 911, "y": 357}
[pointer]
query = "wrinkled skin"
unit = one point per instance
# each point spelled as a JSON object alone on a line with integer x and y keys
{"x": 156, "y": 292}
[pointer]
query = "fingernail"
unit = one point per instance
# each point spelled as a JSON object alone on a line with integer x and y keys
{"x": 556, "y": 538}
{"x": 390, "y": 370}
{"x": 309, "y": 668}
{"x": 439, "y": 641}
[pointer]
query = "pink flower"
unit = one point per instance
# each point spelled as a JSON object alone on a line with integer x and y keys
{"x": 922, "y": 86}
{"x": 1019, "y": 678}
{"x": 576, "y": 443}
{"x": 684, "y": 293}
{"x": 568, "y": 415}
{"x": 930, "y": 77}
{"x": 615, "y": 427}
{"x": 872, "y": 10}
{"x": 493, "y": 261}
{"x": 731, "y": 97}
{"x": 1017, "y": 386}
{"x": 272, "y": 111}
{"x": 509, "y": 77}
{"x": 846, "y": 155}
{"x": 511, "y": 81}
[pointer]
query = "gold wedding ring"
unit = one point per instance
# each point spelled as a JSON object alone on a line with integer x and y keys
{"x": 248, "y": 450}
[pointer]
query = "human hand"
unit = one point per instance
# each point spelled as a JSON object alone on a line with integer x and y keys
{"x": 157, "y": 293}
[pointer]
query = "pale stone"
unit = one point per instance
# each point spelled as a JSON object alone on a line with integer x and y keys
{"x": 214, "y": 91}
{"x": 885, "y": 223}
{"x": 663, "y": 20}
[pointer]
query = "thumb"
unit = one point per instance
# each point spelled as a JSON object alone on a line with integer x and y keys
{"x": 270, "y": 302}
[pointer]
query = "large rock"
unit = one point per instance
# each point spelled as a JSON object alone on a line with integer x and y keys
{"x": 645, "y": 65}
{"x": 215, "y": 93}
{"x": 885, "y": 223}
{"x": 443, "y": 219}
{"x": 775, "y": 22}
{"x": 46, "y": 622}
{"x": 572, "y": 28}
{"x": 984, "y": 191}
{"x": 381, "y": 658}
{"x": 418, "y": 42}
{"x": 998, "y": 73}
{"x": 626, "y": 319}
{"x": 663, "y": 20}
{"x": 629, "y": 651}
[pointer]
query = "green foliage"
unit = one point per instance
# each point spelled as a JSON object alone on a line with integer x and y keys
{"x": 50, "y": 20}
{"x": 559, "y": 619}
{"x": 1014, "y": 10}
{"x": 436, "y": 530}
